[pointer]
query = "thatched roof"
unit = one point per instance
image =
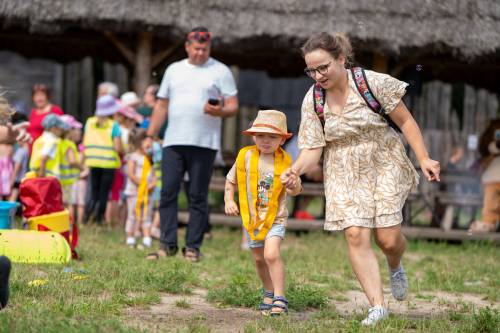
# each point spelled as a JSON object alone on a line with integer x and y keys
{"x": 465, "y": 28}
{"x": 455, "y": 40}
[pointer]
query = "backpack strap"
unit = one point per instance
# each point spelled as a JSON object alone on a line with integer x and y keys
{"x": 319, "y": 102}
{"x": 364, "y": 90}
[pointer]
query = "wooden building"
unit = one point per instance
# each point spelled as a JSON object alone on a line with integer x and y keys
{"x": 448, "y": 51}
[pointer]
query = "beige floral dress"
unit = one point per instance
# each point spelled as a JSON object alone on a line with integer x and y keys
{"x": 367, "y": 173}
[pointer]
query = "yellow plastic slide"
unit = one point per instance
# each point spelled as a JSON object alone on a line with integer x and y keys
{"x": 34, "y": 247}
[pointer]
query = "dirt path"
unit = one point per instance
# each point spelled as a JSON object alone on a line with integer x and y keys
{"x": 188, "y": 311}
{"x": 177, "y": 311}
{"x": 426, "y": 304}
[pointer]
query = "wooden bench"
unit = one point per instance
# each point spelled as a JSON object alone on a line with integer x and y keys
{"x": 417, "y": 202}
{"x": 430, "y": 233}
{"x": 448, "y": 200}
{"x": 312, "y": 189}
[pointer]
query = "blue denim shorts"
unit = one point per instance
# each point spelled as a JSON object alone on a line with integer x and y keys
{"x": 277, "y": 229}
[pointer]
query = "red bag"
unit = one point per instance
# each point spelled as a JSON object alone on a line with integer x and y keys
{"x": 40, "y": 196}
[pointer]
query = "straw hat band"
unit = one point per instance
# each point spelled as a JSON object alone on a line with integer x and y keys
{"x": 269, "y": 126}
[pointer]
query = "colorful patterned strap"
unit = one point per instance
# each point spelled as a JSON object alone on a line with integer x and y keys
{"x": 319, "y": 102}
{"x": 364, "y": 90}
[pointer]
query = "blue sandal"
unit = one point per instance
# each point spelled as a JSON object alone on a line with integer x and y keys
{"x": 279, "y": 302}
{"x": 264, "y": 307}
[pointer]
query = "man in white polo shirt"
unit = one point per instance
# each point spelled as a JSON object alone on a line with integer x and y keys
{"x": 195, "y": 94}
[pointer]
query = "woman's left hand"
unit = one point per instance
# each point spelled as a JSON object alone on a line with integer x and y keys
{"x": 431, "y": 169}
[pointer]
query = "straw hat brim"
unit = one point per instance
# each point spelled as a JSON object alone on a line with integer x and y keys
{"x": 254, "y": 130}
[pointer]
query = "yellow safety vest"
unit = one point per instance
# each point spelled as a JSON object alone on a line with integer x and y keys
{"x": 157, "y": 166}
{"x": 253, "y": 223}
{"x": 69, "y": 174}
{"x": 99, "y": 150}
{"x": 53, "y": 165}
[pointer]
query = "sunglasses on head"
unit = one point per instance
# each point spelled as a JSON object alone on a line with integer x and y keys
{"x": 200, "y": 36}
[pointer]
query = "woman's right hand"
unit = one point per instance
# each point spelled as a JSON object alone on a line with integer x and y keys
{"x": 231, "y": 208}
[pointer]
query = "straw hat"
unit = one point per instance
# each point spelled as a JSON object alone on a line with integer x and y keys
{"x": 269, "y": 121}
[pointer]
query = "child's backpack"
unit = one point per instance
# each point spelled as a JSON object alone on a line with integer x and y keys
{"x": 40, "y": 196}
{"x": 364, "y": 90}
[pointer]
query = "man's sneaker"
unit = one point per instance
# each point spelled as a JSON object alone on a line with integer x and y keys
{"x": 399, "y": 283}
{"x": 375, "y": 314}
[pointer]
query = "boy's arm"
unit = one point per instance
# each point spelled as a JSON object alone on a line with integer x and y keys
{"x": 154, "y": 180}
{"x": 231, "y": 208}
{"x": 70, "y": 156}
{"x": 43, "y": 164}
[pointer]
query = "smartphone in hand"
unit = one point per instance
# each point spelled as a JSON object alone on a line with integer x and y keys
{"x": 213, "y": 101}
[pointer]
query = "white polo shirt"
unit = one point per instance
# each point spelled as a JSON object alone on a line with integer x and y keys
{"x": 188, "y": 87}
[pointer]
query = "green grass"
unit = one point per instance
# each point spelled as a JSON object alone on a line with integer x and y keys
{"x": 183, "y": 304}
{"x": 116, "y": 278}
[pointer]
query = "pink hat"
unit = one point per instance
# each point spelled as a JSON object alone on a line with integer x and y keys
{"x": 71, "y": 121}
{"x": 130, "y": 113}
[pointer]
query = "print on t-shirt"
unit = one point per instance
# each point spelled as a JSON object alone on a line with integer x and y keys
{"x": 264, "y": 190}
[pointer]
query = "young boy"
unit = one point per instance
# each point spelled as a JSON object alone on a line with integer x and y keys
{"x": 46, "y": 156}
{"x": 70, "y": 159}
{"x": 262, "y": 199}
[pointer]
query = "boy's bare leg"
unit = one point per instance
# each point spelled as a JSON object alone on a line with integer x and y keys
{"x": 275, "y": 265}
{"x": 263, "y": 271}
{"x": 80, "y": 211}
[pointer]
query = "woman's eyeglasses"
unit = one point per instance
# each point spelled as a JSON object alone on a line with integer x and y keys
{"x": 322, "y": 69}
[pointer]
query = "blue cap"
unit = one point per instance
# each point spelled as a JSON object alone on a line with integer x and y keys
{"x": 53, "y": 120}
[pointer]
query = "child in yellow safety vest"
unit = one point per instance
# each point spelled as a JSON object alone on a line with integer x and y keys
{"x": 102, "y": 148}
{"x": 262, "y": 203}
{"x": 46, "y": 157}
{"x": 71, "y": 165}
{"x": 141, "y": 182}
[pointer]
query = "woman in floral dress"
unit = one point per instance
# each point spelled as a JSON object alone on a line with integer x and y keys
{"x": 367, "y": 173}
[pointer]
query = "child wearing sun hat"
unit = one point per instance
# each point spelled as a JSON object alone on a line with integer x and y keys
{"x": 262, "y": 202}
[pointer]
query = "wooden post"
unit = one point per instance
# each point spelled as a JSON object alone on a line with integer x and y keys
{"x": 143, "y": 60}
{"x": 87, "y": 102}
{"x": 230, "y": 126}
{"x": 380, "y": 62}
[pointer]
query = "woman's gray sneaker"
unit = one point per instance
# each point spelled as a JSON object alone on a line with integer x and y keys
{"x": 399, "y": 283}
